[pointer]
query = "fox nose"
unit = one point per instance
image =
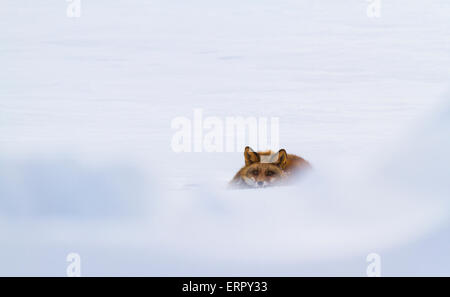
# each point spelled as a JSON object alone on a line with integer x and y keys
{"x": 260, "y": 183}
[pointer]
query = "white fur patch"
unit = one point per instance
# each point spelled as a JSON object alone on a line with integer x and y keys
{"x": 249, "y": 181}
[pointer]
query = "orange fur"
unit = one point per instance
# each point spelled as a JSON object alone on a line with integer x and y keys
{"x": 268, "y": 168}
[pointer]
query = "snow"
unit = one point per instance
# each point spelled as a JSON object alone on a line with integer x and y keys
{"x": 86, "y": 163}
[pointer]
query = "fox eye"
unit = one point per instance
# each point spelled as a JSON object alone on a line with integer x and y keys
{"x": 255, "y": 172}
{"x": 270, "y": 173}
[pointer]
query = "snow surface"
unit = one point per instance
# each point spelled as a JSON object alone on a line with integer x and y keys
{"x": 86, "y": 165}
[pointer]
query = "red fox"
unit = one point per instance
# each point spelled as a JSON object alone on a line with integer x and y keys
{"x": 264, "y": 169}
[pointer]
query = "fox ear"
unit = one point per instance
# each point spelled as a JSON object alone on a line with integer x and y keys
{"x": 251, "y": 156}
{"x": 282, "y": 159}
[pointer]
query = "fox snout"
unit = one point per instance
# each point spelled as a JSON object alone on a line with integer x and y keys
{"x": 253, "y": 182}
{"x": 263, "y": 183}
{"x": 256, "y": 183}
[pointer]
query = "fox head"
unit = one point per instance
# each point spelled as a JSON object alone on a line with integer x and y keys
{"x": 263, "y": 169}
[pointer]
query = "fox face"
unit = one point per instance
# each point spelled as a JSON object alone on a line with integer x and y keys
{"x": 261, "y": 169}
{"x": 260, "y": 175}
